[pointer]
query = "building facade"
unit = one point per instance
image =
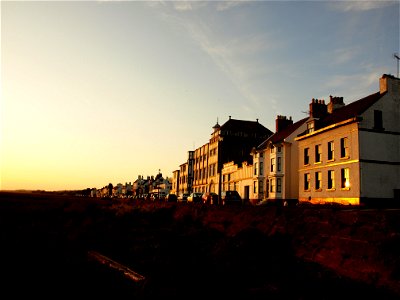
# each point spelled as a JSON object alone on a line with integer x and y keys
{"x": 350, "y": 154}
{"x": 275, "y": 163}
{"x": 230, "y": 142}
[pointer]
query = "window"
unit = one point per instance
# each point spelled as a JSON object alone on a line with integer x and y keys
{"x": 345, "y": 178}
{"x": 330, "y": 151}
{"x": 306, "y": 181}
{"x": 255, "y": 168}
{"x": 378, "y": 121}
{"x": 310, "y": 127}
{"x": 261, "y": 187}
{"x": 279, "y": 149}
{"x": 318, "y": 154}
{"x": 261, "y": 168}
{"x": 272, "y": 164}
{"x": 279, "y": 185}
{"x": 306, "y": 156}
{"x": 318, "y": 180}
{"x": 255, "y": 187}
{"x": 344, "y": 147}
{"x": 331, "y": 179}
{"x": 279, "y": 164}
{"x": 272, "y": 185}
{"x": 272, "y": 149}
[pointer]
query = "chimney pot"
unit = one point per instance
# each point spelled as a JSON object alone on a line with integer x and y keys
{"x": 282, "y": 122}
{"x": 318, "y": 108}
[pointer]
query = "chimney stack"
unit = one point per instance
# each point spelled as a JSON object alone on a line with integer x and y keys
{"x": 335, "y": 103}
{"x": 389, "y": 83}
{"x": 318, "y": 109}
{"x": 282, "y": 122}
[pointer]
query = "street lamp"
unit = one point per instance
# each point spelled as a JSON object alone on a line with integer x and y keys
{"x": 396, "y": 56}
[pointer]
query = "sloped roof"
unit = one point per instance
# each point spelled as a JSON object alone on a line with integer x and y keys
{"x": 246, "y": 126}
{"x": 347, "y": 112}
{"x": 281, "y": 135}
{"x": 351, "y": 110}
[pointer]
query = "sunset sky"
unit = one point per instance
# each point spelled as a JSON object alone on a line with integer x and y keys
{"x": 103, "y": 91}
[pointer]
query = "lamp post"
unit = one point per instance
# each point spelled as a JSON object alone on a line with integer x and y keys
{"x": 219, "y": 167}
{"x": 396, "y": 56}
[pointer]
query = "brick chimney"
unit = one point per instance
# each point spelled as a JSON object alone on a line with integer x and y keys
{"x": 282, "y": 122}
{"x": 390, "y": 84}
{"x": 318, "y": 109}
{"x": 335, "y": 103}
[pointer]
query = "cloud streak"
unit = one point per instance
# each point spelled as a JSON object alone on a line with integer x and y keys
{"x": 351, "y": 6}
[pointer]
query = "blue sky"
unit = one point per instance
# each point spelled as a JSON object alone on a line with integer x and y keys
{"x": 103, "y": 91}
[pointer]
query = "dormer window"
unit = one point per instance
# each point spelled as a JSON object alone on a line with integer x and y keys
{"x": 310, "y": 127}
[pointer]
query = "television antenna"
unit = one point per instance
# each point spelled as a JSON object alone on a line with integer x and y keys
{"x": 306, "y": 112}
{"x": 396, "y": 56}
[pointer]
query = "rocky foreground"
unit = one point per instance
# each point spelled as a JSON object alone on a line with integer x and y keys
{"x": 57, "y": 247}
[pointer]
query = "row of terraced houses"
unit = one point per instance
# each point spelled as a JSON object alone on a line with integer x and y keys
{"x": 347, "y": 154}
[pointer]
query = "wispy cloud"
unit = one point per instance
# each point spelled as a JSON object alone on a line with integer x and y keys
{"x": 344, "y": 55}
{"x": 188, "y": 5}
{"x": 225, "y": 5}
{"x": 236, "y": 58}
{"x": 356, "y": 85}
{"x": 348, "y": 6}
{"x": 191, "y": 5}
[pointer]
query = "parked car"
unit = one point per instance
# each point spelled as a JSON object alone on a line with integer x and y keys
{"x": 183, "y": 197}
{"x": 195, "y": 197}
{"x": 230, "y": 197}
{"x": 171, "y": 198}
{"x": 210, "y": 198}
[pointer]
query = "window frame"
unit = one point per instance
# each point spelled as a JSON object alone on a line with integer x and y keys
{"x": 307, "y": 181}
{"x": 378, "y": 119}
{"x": 345, "y": 178}
{"x": 261, "y": 187}
{"x": 331, "y": 151}
{"x": 279, "y": 185}
{"x": 318, "y": 153}
{"x": 331, "y": 180}
{"x": 306, "y": 156}
{"x": 318, "y": 181}
{"x": 272, "y": 185}
{"x": 344, "y": 147}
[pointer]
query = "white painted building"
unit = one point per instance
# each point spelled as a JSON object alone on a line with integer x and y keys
{"x": 275, "y": 163}
{"x": 240, "y": 179}
{"x": 350, "y": 154}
